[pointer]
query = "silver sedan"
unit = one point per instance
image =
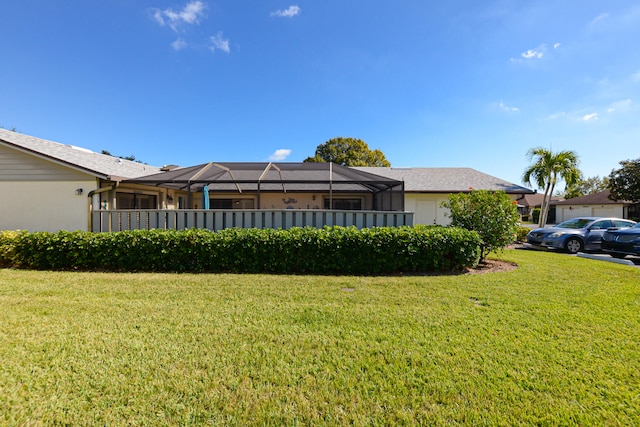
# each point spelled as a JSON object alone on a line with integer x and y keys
{"x": 577, "y": 234}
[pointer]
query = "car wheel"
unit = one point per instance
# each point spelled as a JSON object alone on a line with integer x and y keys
{"x": 573, "y": 245}
{"x": 619, "y": 256}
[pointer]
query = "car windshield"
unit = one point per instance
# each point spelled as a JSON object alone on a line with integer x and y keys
{"x": 636, "y": 226}
{"x": 575, "y": 223}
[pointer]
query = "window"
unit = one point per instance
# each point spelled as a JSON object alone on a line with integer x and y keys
{"x": 231, "y": 203}
{"x": 344, "y": 204}
{"x": 136, "y": 201}
{"x": 602, "y": 225}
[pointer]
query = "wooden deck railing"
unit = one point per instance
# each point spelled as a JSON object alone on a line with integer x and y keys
{"x": 119, "y": 220}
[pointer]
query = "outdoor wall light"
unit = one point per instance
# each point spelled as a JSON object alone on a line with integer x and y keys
{"x": 79, "y": 191}
{"x": 169, "y": 198}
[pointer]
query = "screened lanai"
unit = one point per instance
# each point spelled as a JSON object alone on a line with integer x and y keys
{"x": 328, "y": 181}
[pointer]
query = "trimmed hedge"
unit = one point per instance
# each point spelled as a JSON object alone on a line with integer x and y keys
{"x": 329, "y": 250}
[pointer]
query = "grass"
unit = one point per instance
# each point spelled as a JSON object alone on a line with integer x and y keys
{"x": 555, "y": 342}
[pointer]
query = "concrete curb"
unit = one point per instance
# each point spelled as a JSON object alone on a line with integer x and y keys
{"x": 606, "y": 258}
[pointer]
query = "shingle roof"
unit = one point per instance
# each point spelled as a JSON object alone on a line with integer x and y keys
{"x": 601, "y": 198}
{"x": 536, "y": 199}
{"x": 101, "y": 165}
{"x": 445, "y": 180}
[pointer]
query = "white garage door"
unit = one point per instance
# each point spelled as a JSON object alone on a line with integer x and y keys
{"x": 574, "y": 212}
{"x": 604, "y": 212}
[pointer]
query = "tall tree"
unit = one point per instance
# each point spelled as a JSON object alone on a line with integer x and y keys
{"x": 624, "y": 183}
{"x": 546, "y": 170}
{"x": 585, "y": 186}
{"x": 348, "y": 152}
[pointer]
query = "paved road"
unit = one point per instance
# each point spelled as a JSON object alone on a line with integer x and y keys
{"x": 629, "y": 260}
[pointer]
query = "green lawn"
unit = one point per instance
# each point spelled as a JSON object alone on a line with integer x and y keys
{"x": 555, "y": 342}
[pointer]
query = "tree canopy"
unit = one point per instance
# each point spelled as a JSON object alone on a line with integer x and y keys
{"x": 585, "y": 186}
{"x": 547, "y": 169}
{"x": 348, "y": 152}
{"x": 624, "y": 182}
{"x": 130, "y": 157}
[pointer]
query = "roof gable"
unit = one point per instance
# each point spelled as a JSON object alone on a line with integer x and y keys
{"x": 601, "y": 198}
{"x": 99, "y": 165}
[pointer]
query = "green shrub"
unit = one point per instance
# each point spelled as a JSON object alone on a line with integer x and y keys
{"x": 521, "y": 233}
{"x": 492, "y": 214}
{"x": 330, "y": 250}
{"x": 7, "y": 247}
{"x": 535, "y": 215}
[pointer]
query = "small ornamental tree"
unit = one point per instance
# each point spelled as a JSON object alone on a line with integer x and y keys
{"x": 493, "y": 215}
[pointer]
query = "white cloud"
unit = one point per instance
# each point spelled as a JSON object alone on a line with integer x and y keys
{"x": 507, "y": 108}
{"x": 536, "y": 53}
{"x": 620, "y": 106}
{"x": 179, "y": 44}
{"x": 556, "y": 45}
{"x": 557, "y": 115}
{"x": 636, "y": 77}
{"x": 189, "y": 14}
{"x": 218, "y": 42}
{"x": 589, "y": 117}
{"x": 599, "y": 18}
{"x": 280, "y": 154}
{"x": 289, "y": 12}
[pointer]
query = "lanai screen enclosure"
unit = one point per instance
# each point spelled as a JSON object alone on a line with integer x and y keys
{"x": 328, "y": 179}
{"x": 264, "y": 195}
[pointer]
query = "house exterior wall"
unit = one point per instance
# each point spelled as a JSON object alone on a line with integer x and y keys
{"x": 279, "y": 200}
{"x": 40, "y": 195}
{"x": 45, "y": 205}
{"x": 565, "y": 212}
{"x": 427, "y": 210}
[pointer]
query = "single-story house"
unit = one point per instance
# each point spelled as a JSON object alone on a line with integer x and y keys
{"x": 597, "y": 204}
{"x": 426, "y": 188}
{"x": 45, "y": 185}
{"x": 54, "y": 186}
{"x": 529, "y": 202}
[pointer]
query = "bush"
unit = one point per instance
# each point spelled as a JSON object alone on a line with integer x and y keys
{"x": 493, "y": 215}
{"x": 521, "y": 233}
{"x": 535, "y": 215}
{"x": 336, "y": 250}
{"x": 7, "y": 247}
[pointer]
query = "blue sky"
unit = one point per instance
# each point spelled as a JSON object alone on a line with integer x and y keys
{"x": 459, "y": 83}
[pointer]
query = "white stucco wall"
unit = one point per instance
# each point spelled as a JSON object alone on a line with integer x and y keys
{"x": 426, "y": 208}
{"x": 44, "y": 206}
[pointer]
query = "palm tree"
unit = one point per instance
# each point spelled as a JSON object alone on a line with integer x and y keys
{"x": 546, "y": 170}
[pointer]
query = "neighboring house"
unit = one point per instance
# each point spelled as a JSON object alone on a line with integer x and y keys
{"x": 426, "y": 188}
{"x": 529, "y": 202}
{"x": 597, "y": 204}
{"x": 45, "y": 185}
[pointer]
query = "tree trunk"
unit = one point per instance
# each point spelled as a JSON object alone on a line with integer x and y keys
{"x": 546, "y": 211}
{"x": 543, "y": 207}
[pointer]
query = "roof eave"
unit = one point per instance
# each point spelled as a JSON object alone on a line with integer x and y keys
{"x": 55, "y": 160}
